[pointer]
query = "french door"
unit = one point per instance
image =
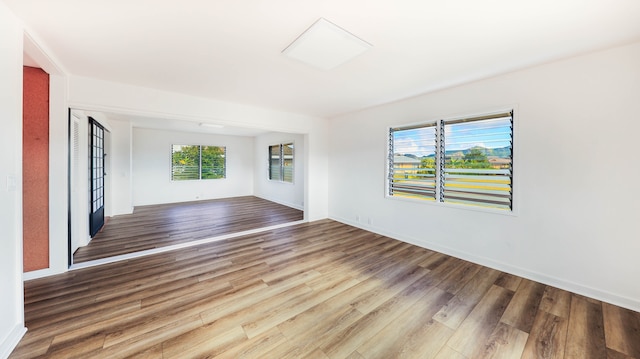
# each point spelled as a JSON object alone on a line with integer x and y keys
{"x": 96, "y": 176}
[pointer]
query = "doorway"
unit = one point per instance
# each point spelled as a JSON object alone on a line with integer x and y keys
{"x": 96, "y": 175}
{"x": 88, "y": 185}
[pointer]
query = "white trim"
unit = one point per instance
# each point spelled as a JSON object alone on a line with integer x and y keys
{"x": 466, "y": 207}
{"x": 604, "y": 296}
{"x": 175, "y": 116}
{"x": 12, "y": 340}
{"x": 46, "y": 272}
{"x": 35, "y": 48}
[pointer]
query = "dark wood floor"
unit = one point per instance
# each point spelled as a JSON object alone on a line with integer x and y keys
{"x": 163, "y": 225}
{"x": 314, "y": 290}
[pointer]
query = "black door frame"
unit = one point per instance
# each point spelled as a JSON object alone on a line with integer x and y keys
{"x": 96, "y": 176}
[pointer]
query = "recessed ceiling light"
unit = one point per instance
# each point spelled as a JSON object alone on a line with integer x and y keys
{"x": 326, "y": 45}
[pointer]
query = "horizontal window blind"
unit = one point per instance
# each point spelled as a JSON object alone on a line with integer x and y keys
{"x": 274, "y": 163}
{"x": 466, "y": 161}
{"x": 281, "y": 162}
{"x": 213, "y": 160}
{"x": 412, "y": 162}
{"x": 194, "y": 162}
{"x": 185, "y": 162}
{"x": 476, "y": 163}
{"x": 287, "y": 162}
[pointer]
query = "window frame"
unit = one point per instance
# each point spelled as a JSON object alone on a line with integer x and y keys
{"x": 282, "y": 160}
{"x": 200, "y": 168}
{"x": 440, "y": 152}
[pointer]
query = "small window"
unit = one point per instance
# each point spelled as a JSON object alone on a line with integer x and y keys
{"x": 465, "y": 161}
{"x": 281, "y": 162}
{"x": 195, "y": 162}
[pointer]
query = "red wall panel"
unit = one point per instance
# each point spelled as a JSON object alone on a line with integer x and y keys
{"x": 35, "y": 169}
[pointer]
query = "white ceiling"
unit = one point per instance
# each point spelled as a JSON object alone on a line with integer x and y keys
{"x": 231, "y": 49}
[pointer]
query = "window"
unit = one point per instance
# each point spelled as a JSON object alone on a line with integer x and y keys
{"x": 195, "y": 162}
{"x": 281, "y": 162}
{"x": 466, "y": 161}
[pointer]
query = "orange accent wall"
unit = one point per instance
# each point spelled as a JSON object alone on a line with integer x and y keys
{"x": 35, "y": 169}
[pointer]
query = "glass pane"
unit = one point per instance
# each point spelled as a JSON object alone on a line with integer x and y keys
{"x": 478, "y": 162}
{"x": 213, "y": 162}
{"x": 413, "y": 163}
{"x": 287, "y": 162}
{"x": 274, "y": 163}
{"x": 185, "y": 162}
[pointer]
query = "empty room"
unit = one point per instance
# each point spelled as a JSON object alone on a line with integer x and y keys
{"x": 286, "y": 179}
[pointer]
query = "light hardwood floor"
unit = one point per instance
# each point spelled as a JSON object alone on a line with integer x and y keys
{"x": 163, "y": 225}
{"x": 316, "y": 290}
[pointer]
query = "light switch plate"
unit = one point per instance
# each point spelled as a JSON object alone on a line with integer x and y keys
{"x": 11, "y": 183}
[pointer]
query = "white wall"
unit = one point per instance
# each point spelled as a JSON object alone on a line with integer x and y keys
{"x": 120, "y": 157}
{"x": 11, "y": 297}
{"x": 289, "y": 194}
{"x": 152, "y": 182}
{"x": 99, "y": 95}
{"x": 577, "y": 125}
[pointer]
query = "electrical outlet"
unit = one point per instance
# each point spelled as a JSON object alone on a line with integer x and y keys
{"x": 369, "y": 220}
{"x": 357, "y": 218}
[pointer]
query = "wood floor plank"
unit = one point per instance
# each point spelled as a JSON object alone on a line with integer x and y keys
{"x": 207, "y": 341}
{"x": 144, "y": 341}
{"x": 612, "y": 354}
{"x": 622, "y": 330}
{"x": 295, "y": 306}
{"x": 398, "y": 281}
{"x": 307, "y": 331}
{"x": 524, "y": 305}
{"x": 154, "y": 352}
{"x": 76, "y": 348}
{"x": 474, "y": 331}
{"x": 256, "y": 347}
{"x": 505, "y": 342}
{"x": 344, "y": 342}
{"x": 242, "y": 310}
{"x": 556, "y": 301}
{"x": 459, "y": 307}
{"x": 404, "y": 335}
{"x": 547, "y": 338}
{"x": 508, "y": 281}
{"x": 459, "y": 277}
{"x": 314, "y": 290}
{"x": 585, "y": 337}
{"x": 447, "y": 353}
{"x": 32, "y": 345}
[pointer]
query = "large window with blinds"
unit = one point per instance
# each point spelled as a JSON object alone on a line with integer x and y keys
{"x": 466, "y": 161}
{"x": 196, "y": 162}
{"x": 281, "y": 162}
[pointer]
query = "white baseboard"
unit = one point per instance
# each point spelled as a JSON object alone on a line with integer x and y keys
{"x": 604, "y": 296}
{"x": 295, "y": 206}
{"x": 12, "y": 340}
{"x": 41, "y": 273}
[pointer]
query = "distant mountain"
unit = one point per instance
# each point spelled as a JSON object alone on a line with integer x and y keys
{"x": 503, "y": 152}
